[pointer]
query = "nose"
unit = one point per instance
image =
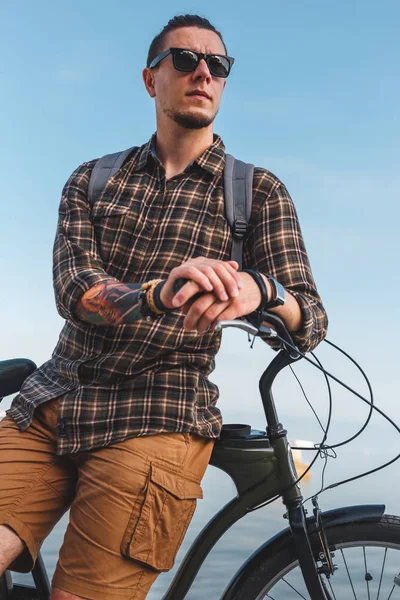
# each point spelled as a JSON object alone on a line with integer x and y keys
{"x": 202, "y": 71}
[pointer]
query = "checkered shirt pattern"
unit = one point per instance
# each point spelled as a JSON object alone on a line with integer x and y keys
{"x": 116, "y": 382}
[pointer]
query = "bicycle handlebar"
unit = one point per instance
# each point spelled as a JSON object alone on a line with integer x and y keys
{"x": 279, "y": 331}
{"x": 251, "y": 324}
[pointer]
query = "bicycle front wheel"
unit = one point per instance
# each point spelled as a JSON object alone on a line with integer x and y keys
{"x": 367, "y": 556}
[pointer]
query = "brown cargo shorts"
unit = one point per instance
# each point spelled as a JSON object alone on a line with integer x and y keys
{"x": 130, "y": 504}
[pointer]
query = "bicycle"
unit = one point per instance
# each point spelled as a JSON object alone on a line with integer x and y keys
{"x": 314, "y": 555}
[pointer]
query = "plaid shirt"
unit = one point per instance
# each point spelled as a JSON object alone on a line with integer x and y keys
{"x": 116, "y": 382}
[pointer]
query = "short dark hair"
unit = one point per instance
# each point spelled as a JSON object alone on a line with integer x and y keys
{"x": 177, "y": 22}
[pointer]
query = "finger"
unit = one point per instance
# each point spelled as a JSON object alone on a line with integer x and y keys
{"x": 178, "y": 284}
{"x": 216, "y": 282}
{"x": 197, "y": 309}
{"x": 228, "y": 314}
{"x": 189, "y": 291}
{"x": 212, "y": 315}
{"x": 233, "y": 264}
{"x": 185, "y": 308}
{"x": 196, "y": 282}
{"x": 236, "y": 273}
{"x": 224, "y": 281}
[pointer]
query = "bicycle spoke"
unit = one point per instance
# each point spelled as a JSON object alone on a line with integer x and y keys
{"x": 365, "y": 566}
{"x": 391, "y": 592}
{"x": 348, "y": 574}
{"x": 294, "y": 589}
{"x": 383, "y": 568}
{"x": 366, "y": 573}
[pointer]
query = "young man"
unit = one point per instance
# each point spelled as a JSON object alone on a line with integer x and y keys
{"x": 119, "y": 425}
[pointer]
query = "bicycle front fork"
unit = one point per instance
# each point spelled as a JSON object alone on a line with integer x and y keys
{"x": 298, "y": 526}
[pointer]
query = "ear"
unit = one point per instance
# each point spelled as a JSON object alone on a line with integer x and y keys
{"x": 148, "y": 78}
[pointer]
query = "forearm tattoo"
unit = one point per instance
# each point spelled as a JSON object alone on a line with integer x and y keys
{"x": 110, "y": 303}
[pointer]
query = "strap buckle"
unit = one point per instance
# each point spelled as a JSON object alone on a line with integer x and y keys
{"x": 239, "y": 228}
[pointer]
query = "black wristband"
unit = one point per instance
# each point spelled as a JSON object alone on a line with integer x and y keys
{"x": 278, "y": 291}
{"x": 145, "y": 309}
{"x": 258, "y": 278}
{"x": 156, "y": 297}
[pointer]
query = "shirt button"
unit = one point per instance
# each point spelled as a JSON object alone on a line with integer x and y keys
{"x": 62, "y": 428}
{"x": 149, "y": 226}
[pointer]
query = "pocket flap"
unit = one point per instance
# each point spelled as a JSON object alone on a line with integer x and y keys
{"x": 175, "y": 484}
{"x": 102, "y": 209}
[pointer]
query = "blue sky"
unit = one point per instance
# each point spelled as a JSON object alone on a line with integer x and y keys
{"x": 313, "y": 96}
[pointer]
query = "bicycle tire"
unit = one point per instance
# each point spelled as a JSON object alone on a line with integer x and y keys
{"x": 267, "y": 579}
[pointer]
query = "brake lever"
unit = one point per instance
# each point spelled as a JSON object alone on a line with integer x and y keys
{"x": 247, "y": 327}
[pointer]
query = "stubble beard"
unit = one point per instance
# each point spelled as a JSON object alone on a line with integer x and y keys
{"x": 190, "y": 121}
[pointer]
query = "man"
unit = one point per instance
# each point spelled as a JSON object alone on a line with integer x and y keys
{"x": 119, "y": 425}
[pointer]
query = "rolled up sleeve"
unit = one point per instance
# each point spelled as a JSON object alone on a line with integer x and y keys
{"x": 77, "y": 265}
{"x": 275, "y": 246}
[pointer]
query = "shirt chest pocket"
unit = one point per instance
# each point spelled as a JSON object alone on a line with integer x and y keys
{"x": 113, "y": 228}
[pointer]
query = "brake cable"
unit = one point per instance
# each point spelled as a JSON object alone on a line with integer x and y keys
{"x": 370, "y": 403}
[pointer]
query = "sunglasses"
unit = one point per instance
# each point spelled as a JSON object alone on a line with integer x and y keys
{"x": 185, "y": 60}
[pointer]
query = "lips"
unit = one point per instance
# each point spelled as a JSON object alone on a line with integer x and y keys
{"x": 199, "y": 93}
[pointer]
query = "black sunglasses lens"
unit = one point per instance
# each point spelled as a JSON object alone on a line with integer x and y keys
{"x": 218, "y": 65}
{"x": 185, "y": 60}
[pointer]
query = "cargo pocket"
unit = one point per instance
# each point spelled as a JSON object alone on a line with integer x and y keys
{"x": 168, "y": 507}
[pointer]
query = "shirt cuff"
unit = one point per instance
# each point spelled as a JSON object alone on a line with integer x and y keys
{"x": 314, "y": 324}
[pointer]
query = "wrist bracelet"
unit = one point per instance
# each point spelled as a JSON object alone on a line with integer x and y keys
{"x": 157, "y": 298}
{"x": 146, "y": 296}
{"x": 258, "y": 278}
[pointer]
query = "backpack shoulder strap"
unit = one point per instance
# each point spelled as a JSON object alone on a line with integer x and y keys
{"x": 238, "y": 192}
{"x": 105, "y": 168}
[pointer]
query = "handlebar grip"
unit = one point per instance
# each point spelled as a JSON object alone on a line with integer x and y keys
{"x": 179, "y": 283}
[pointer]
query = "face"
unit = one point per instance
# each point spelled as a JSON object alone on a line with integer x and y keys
{"x": 175, "y": 91}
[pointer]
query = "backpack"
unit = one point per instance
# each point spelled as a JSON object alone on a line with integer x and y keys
{"x": 238, "y": 192}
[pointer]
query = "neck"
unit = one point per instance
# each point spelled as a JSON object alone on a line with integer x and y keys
{"x": 177, "y": 147}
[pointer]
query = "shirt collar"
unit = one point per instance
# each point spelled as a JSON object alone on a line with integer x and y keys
{"x": 145, "y": 152}
{"x": 212, "y": 159}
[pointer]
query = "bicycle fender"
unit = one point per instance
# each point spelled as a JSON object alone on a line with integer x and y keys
{"x": 331, "y": 518}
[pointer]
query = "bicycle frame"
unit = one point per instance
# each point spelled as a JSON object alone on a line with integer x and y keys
{"x": 261, "y": 465}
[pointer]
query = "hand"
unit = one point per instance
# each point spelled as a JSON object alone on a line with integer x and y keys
{"x": 208, "y": 310}
{"x": 203, "y": 275}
